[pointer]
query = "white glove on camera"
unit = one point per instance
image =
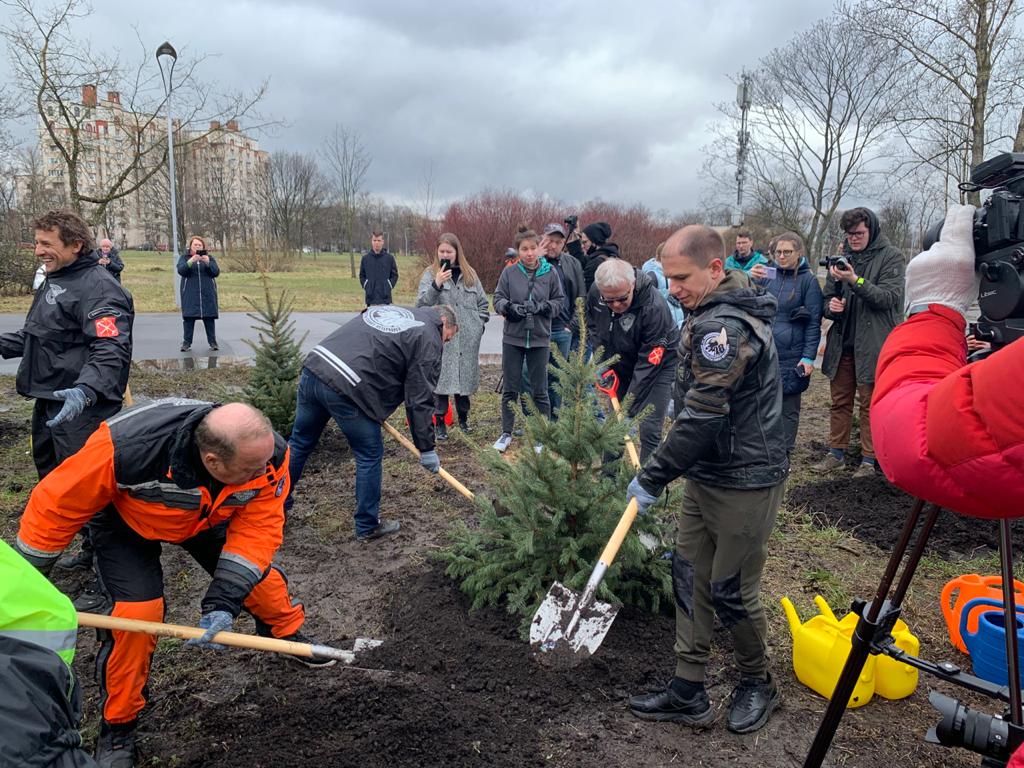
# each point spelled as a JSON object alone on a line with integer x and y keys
{"x": 944, "y": 274}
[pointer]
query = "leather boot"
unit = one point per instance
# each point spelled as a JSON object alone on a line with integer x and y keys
{"x": 115, "y": 747}
{"x": 678, "y": 702}
{"x": 753, "y": 701}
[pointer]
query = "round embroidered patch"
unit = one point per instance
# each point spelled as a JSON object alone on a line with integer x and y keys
{"x": 715, "y": 346}
{"x": 390, "y": 319}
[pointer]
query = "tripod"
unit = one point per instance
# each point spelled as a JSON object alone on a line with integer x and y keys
{"x": 994, "y": 739}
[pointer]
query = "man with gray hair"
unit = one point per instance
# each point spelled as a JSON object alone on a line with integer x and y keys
{"x": 358, "y": 375}
{"x": 628, "y": 317}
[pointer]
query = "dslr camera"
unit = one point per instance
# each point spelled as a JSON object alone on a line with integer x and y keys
{"x": 833, "y": 260}
{"x": 998, "y": 246}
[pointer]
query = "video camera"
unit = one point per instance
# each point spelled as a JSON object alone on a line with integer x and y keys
{"x": 987, "y": 735}
{"x": 998, "y": 246}
{"x": 570, "y": 224}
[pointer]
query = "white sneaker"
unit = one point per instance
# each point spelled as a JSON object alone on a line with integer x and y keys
{"x": 502, "y": 443}
{"x": 538, "y": 448}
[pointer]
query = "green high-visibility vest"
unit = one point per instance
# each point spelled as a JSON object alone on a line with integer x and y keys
{"x": 32, "y": 609}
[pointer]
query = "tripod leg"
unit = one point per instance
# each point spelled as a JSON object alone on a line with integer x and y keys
{"x": 1010, "y": 620}
{"x": 861, "y": 642}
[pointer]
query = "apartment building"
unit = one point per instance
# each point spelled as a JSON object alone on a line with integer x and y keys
{"x": 221, "y": 173}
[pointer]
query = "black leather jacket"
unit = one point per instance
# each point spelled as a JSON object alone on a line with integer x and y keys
{"x": 728, "y": 428}
{"x": 78, "y": 333}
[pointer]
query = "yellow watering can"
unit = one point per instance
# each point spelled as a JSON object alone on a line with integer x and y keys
{"x": 822, "y": 644}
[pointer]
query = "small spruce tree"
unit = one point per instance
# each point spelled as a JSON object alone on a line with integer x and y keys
{"x": 273, "y": 386}
{"x": 553, "y": 512}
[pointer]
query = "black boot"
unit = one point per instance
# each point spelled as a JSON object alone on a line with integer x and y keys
{"x": 679, "y": 702}
{"x": 81, "y": 561}
{"x": 464, "y": 425}
{"x": 115, "y": 748}
{"x": 440, "y": 430}
{"x": 753, "y": 701}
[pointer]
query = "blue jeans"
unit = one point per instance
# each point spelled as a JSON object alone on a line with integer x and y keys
{"x": 561, "y": 339}
{"x": 318, "y": 404}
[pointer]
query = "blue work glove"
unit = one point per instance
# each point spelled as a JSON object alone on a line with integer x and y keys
{"x": 430, "y": 462}
{"x": 75, "y": 401}
{"x": 644, "y": 500}
{"x": 213, "y": 622}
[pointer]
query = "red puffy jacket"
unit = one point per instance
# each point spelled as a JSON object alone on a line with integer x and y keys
{"x": 947, "y": 432}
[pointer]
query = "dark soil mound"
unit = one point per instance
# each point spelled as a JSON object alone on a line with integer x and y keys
{"x": 463, "y": 689}
{"x": 874, "y": 511}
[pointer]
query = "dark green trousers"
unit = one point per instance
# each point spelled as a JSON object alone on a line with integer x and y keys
{"x": 721, "y": 545}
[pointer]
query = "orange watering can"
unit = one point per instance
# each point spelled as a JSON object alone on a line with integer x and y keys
{"x": 967, "y": 588}
{"x": 822, "y": 644}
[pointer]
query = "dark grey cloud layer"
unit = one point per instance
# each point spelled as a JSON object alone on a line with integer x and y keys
{"x": 567, "y": 98}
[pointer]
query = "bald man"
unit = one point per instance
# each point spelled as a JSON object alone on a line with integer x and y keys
{"x": 209, "y": 478}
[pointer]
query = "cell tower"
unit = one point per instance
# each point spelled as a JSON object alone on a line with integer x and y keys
{"x": 744, "y": 98}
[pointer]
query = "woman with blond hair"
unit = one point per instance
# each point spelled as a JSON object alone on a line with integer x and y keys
{"x": 198, "y": 270}
{"x": 451, "y": 280}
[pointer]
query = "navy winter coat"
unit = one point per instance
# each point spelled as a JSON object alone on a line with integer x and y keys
{"x": 198, "y": 287}
{"x": 797, "y": 324}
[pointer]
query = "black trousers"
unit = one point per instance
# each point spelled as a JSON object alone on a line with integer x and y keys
{"x": 536, "y": 359}
{"x": 791, "y": 418}
{"x": 51, "y": 445}
{"x": 188, "y": 325}
{"x": 461, "y": 406}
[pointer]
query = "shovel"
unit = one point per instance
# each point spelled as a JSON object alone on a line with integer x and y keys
{"x": 610, "y": 389}
{"x": 576, "y": 624}
{"x": 442, "y": 471}
{"x": 234, "y": 639}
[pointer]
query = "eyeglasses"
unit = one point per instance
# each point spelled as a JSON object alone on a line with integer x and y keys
{"x": 618, "y": 300}
{"x": 863, "y": 233}
{"x": 784, "y": 254}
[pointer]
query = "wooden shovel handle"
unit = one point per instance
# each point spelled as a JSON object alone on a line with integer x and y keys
{"x": 235, "y": 639}
{"x": 630, "y": 447}
{"x": 442, "y": 471}
{"x": 611, "y": 549}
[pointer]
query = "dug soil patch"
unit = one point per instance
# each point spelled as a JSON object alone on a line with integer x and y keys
{"x": 874, "y": 511}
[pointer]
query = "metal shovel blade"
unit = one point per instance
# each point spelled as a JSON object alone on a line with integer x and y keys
{"x": 564, "y": 623}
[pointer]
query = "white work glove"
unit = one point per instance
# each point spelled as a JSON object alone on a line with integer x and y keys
{"x": 944, "y": 274}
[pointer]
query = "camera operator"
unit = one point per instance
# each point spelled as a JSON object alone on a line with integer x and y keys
{"x": 947, "y": 432}
{"x": 864, "y": 299}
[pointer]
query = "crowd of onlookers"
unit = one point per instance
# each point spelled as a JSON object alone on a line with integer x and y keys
{"x": 631, "y": 312}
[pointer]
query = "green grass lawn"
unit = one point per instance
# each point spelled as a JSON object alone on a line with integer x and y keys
{"x": 319, "y": 283}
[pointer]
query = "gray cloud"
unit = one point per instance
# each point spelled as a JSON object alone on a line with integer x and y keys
{"x": 572, "y": 99}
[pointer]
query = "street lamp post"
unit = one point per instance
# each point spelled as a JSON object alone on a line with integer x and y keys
{"x": 167, "y": 52}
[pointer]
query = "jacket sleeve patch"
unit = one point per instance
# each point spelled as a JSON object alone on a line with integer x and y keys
{"x": 654, "y": 358}
{"x": 106, "y": 327}
{"x": 714, "y": 347}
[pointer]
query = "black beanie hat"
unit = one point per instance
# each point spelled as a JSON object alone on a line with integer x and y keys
{"x": 598, "y": 232}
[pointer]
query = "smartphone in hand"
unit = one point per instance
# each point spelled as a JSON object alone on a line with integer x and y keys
{"x": 446, "y": 265}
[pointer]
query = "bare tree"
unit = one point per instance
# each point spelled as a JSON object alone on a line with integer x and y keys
{"x": 964, "y": 59}
{"x": 822, "y": 105}
{"x": 347, "y": 162}
{"x": 61, "y": 76}
{"x": 298, "y": 190}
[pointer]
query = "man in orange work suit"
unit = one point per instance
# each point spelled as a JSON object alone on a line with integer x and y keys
{"x": 212, "y": 479}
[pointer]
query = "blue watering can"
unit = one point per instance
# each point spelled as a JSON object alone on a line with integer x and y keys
{"x": 987, "y": 644}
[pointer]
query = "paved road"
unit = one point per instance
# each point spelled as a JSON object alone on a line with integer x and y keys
{"x": 158, "y": 336}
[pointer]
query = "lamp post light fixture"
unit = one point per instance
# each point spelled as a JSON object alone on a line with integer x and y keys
{"x": 166, "y": 56}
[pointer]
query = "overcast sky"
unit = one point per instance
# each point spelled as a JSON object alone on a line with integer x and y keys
{"x": 570, "y": 98}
